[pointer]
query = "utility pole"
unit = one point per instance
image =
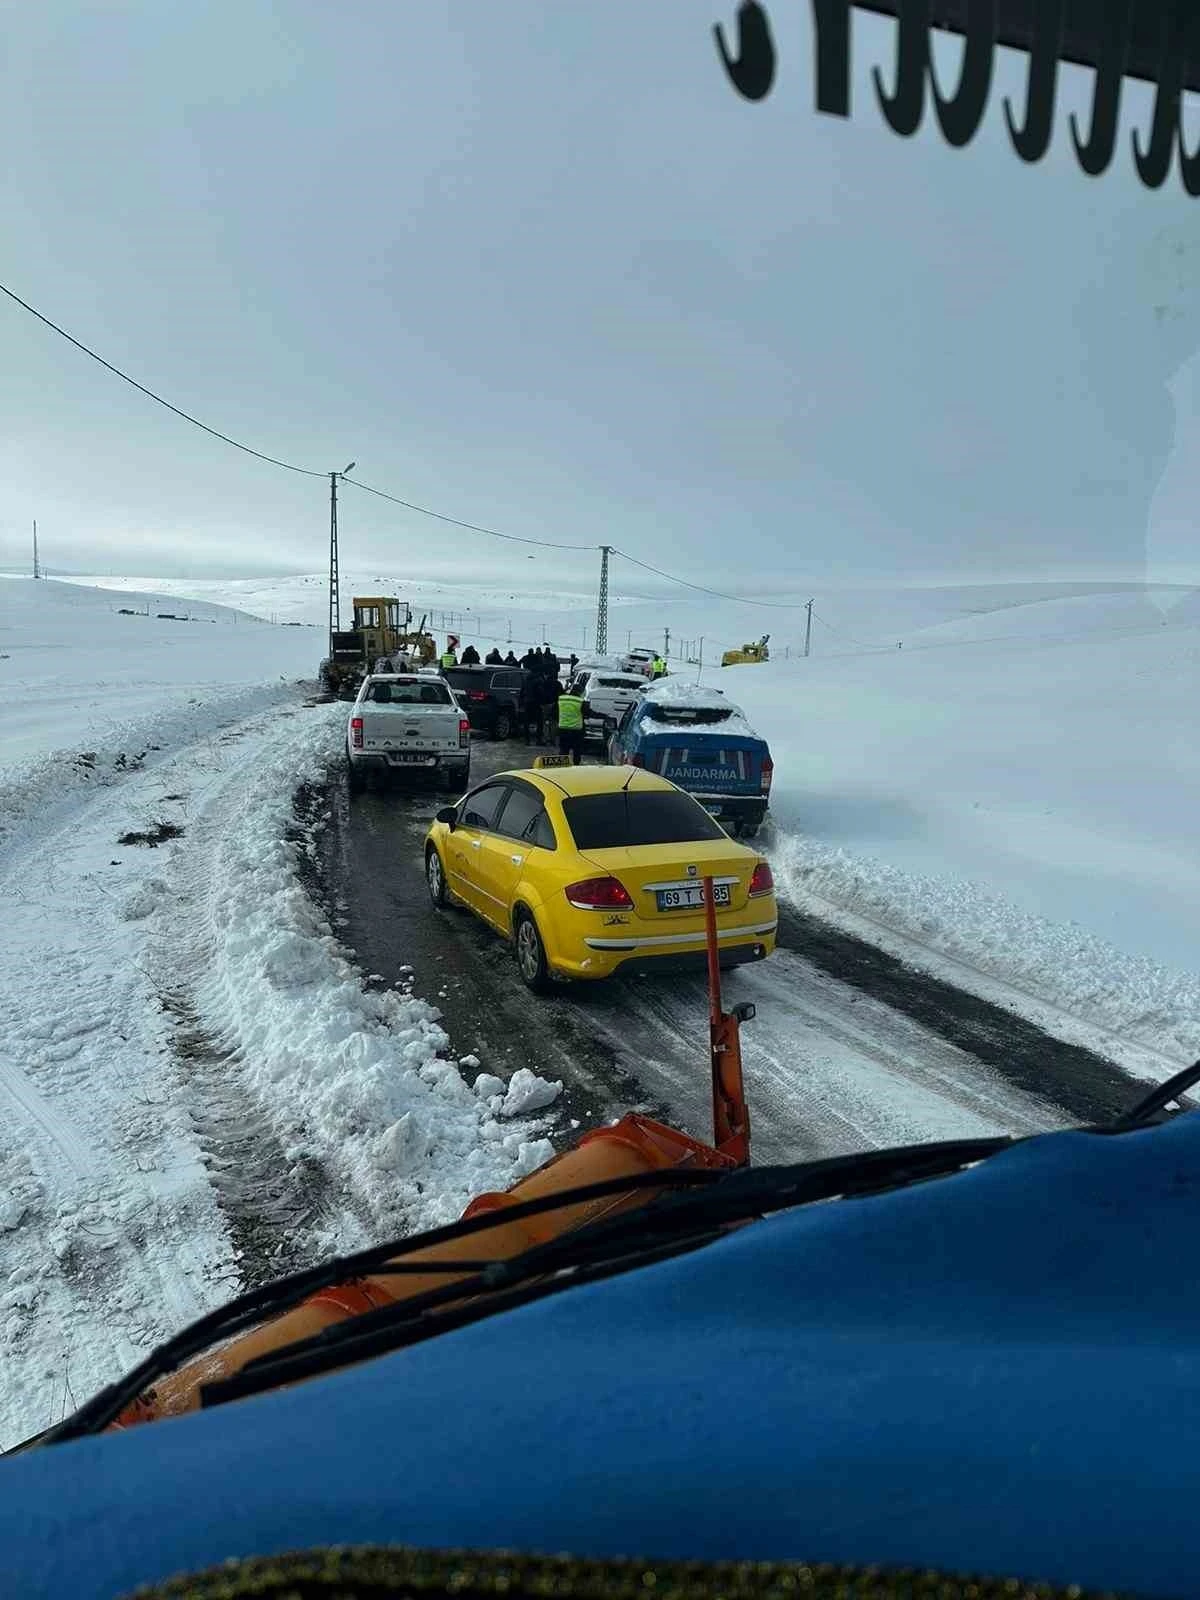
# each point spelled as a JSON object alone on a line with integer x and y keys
{"x": 334, "y": 609}
{"x": 602, "y": 606}
{"x": 334, "y": 621}
{"x": 808, "y": 629}
{"x": 37, "y": 571}
{"x": 666, "y": 644}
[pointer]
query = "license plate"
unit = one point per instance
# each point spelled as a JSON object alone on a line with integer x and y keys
{"x": 413, "y": 758}
{"x": 693, "y": 895}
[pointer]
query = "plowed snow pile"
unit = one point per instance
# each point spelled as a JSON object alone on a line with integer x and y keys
{"x": 196, "y": 1089}
{"x": 1014, "y": 793}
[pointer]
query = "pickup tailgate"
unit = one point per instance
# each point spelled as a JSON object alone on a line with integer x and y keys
{"x": 403, "y": 732}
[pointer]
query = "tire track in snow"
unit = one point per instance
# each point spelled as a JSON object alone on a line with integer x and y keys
{"x": 110, "y": 1233}
{"x": 268, "y": 1200}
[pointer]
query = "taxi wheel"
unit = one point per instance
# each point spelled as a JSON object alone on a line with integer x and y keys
{"x": 531, "y": 954}
{"x": 435, "y": 878}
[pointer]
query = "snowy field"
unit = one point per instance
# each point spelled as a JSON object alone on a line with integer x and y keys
{"x": 999, "y": 783}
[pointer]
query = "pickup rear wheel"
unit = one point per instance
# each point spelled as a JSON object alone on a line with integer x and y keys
{"x": 502, "y": 728}
{"x": 531, "y": 954}
{"x": 435, "y": 878}
{"x": 356, "y": 778}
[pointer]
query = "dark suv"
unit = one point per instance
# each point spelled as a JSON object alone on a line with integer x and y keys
{"x": 490, "y": 696}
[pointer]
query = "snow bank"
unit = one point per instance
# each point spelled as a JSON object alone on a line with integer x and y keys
{"x": 191, "y": 1073}
{"x": 355, "y": 1078}
{"x": 1024, "y": 805}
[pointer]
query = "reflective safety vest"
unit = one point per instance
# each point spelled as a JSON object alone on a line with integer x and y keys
{"x": 449, "y": 659}
{"x": 659, "y": 667}
{"x": 570, "y": 711}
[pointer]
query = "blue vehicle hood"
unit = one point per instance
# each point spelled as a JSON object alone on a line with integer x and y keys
{"x": 997, "y": 1372}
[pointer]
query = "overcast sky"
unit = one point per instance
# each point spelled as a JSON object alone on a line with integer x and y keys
{"x": 537, "y": 266}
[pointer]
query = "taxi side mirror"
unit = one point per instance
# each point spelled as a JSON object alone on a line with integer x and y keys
{"x": 448, "y": 815}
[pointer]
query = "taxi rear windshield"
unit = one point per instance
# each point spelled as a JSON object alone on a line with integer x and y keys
{"x": 609, "y": 821}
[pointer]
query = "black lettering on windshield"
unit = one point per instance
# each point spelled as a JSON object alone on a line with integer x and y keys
{"x": 751, "y": 64}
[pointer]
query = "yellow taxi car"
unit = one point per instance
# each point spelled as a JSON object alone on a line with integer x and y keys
{"x": 588, "y": 870}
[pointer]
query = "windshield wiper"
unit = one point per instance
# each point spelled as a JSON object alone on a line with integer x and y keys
{"x": 673, "y": 1225}
{"x": 1159, "y": 1098}
{"x": 269, "y": 1300}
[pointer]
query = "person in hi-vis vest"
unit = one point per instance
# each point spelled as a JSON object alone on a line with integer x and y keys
{"x": 571, "y": 710}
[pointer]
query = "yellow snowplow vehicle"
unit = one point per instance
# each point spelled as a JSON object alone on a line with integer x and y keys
{"x": 381, "y": 627}
{"x": 748, "y": 654}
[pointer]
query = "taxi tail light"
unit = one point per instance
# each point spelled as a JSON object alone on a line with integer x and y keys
{"x": 464, "y": 731}
{"x": 599, "y": 894}
{"x": 356, "y": 732}
{"x": 762, "y": 882}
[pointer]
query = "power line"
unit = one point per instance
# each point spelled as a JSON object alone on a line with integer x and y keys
{"x": 474, "y": 527}
{"x": 774, "y": 605}
{"x": 290, "y": 466}
{"x": 382, "y": 494}
{"x": 842, "y": 634}
{"x": 274, "y": 461}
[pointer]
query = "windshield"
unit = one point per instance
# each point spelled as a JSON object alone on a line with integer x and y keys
{"x": 848, "y": 365}
{"x": 411, "y": 693}
{"x": 682, "y": 716}
{"x": 611, "y": 821}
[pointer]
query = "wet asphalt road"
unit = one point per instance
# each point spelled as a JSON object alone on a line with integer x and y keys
{"x": 850, "y": 1049}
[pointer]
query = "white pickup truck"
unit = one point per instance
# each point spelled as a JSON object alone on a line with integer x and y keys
{"x": 407, "y": 722}
{"x": 607, "y": 696}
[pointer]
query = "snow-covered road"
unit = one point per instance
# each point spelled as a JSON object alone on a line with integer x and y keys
{"x": 850, "y": 1049}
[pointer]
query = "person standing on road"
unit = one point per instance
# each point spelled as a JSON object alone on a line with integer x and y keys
{"x": 529, "y": 660}
{"x": 532, "y": 709}
{"x": 470, "y": 656}
{"x": 449, "y": 658}
{"x": 658, "y": 668}
{"x": 494, "y": 658}
{"x": 572, "y": 663}
{"x": 510, "y": 660}
{"x": 571, "y": 710}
